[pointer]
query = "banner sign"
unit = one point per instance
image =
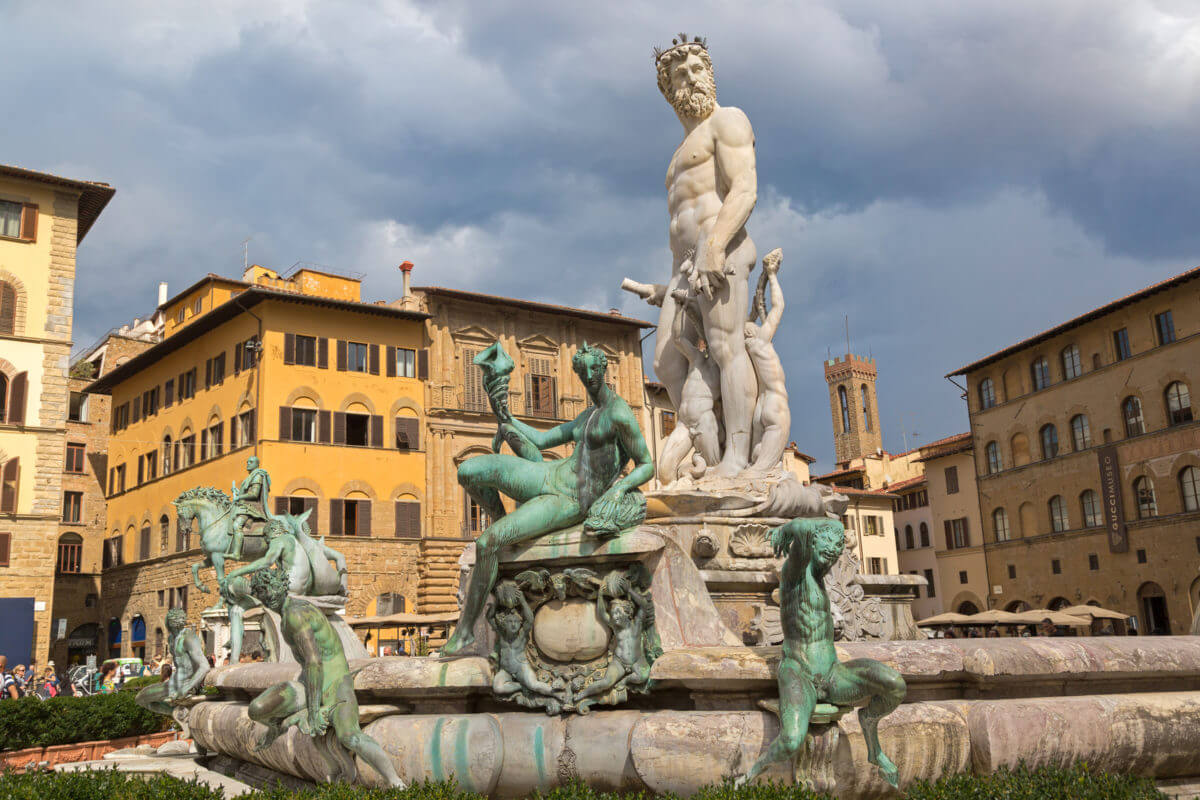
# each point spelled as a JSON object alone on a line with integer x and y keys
{"x": 1110, "y": 490}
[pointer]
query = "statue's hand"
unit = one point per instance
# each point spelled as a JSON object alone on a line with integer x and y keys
{"x": 780, "y": 541}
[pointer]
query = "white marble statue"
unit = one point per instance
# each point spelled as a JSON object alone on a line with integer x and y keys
{"x": 772, "y": 417}
{"x": 712, "y": 187}
{"x": 728, "y": 366}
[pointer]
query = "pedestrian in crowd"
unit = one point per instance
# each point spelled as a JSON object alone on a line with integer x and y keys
{"x": 8, "y": 685}
{"x": 950, "y": 634}
{"x": 107, "y": 678}
{"x": 993, "y": 632}
{"x": 1047, "y": 628}
{"x": 48, "y": 684}
{"x": 258, "y": 656}
{"x": 31, "y": 676}
{"x": 166, "y": 671}
{"x": 20, "y": 682}
{"x": 212, "y": 662}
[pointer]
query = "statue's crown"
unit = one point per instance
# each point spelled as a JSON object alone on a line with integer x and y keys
{"x": 680, "y": 41}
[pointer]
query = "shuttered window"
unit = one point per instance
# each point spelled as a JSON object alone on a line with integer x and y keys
{"x": 350, "y": 517}
{"x": 8, "y": 308}
{"x": 10, "y": 480}
{"x": 17, "y": 391}
{"x": 5, "y": 548}
{"x": 474, "y": 397}
{"x": 407, "y": 433}
{"x": 408, "y": 519}
{"x": 144, "y": 543}
{"x": 541, "y": 388}
{"x": 18, "y": 220}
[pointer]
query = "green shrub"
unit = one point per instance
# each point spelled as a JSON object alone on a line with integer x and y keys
{"x": 105, "y": 784}
{"x": 135, "y": 685}
{"x": 1077, "y": 783}
{"x": 30, "y": 722}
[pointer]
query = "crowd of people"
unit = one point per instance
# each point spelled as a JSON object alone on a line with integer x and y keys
{"x": 22, "y": 681}
{"x": 1045, "y": 628}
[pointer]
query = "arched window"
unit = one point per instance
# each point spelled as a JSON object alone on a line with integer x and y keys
{"x": 845, "y": 403}
{"x": 1000, "y": 525}
{"x": 70, "y": 553}
{"x": 1040, "y": 369}
{"x": 924, "y": 535}
{"x": 987, "y": 393}
{"x": 909, "y": 542}
{"x": 1143, "y": 492}
{"x": 8, "y": 308}
{"x": 1179, "y": 404}
{"x": 164, "y": 533}
{"x": 1131, "y": 410}
{"x": 1072, "y": 368}
{"x": 1049, "y": 435}
{"x": 167, "y": 465}
{"x": 1189, "y": 488}
{"x": 3, "y": 397}
{"x": 1081, "y": 434}
{"x": 1058, "y": 514}
{"x": 993, "y": 458}
{"x": 866, "y": 408}
{"x": 1089, "y": 503}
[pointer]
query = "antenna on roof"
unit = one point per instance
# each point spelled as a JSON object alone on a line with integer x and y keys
{"x": 847, "y": 318}
{"x": 245, "y": 254}
{"x": 903, "y": 433}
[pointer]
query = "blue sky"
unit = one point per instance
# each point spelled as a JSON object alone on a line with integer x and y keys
{"x": 953, "y": 176}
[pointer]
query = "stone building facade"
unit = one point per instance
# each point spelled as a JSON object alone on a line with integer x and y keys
{"x": 431, "y": 410}
{"x": 962, "y": 573}
{"x": 854, "y": 407}
{"x": 544, "y": 392}
{"x": 325, "y": 390}
{"x": 915, "y": 543}
{"x": 1087, "y": 452}
{"x": 43, "y": 218}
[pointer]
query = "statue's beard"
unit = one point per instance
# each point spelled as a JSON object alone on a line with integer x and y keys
{"x": 697, "y": 101}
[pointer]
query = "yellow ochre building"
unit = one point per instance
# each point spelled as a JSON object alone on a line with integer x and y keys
{"x": 324, "y": 389}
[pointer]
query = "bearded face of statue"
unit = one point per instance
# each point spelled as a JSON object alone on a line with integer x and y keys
{"x": 693, "y": 87}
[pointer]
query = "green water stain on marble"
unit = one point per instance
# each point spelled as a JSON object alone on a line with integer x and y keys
{"x": 435, "y": 751}
{"x": 462, "y": 756}
{"x": 441, "y": 681}
{"x": 539, "y": 755}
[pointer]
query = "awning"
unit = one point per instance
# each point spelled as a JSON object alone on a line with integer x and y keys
{"x": 1094, "y": 612}
{"x": 949, "y": 618}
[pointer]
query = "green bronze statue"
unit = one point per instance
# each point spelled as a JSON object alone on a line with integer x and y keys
{"x": 809, "y": 672}
{"x": 189, "y": 664}
{"x": 251, "y": 501}
{"x": 322, "y": 701}
{"x": 586, "y": 487}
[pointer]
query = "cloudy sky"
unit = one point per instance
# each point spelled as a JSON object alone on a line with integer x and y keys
{"x": 953, "y": 176}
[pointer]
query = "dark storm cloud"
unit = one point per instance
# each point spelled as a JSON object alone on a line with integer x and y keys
{"x": 950, "y": 176}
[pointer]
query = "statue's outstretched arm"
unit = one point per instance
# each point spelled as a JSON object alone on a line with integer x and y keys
{"x": 652, "y": 293}
{"x": 544, "y": 440}
{"x": 526, "y": 616}
{"x": 771, "y": 324}
{"x": 264, "y": 562}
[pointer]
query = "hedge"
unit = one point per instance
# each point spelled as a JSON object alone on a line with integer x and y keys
{"x": 30, "y": 722}
{"x": 135, "y": 685}
{"x": 1077, "y": 783}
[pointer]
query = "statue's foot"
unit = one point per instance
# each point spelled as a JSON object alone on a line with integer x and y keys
{"x": 459, "y": 641}
{"x": 267, "y": 739}
{"x": 890, "y": 772}
{"x": 728, "y": 469}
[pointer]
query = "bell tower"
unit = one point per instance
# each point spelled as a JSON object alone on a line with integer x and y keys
{"x": 854, "y": 407}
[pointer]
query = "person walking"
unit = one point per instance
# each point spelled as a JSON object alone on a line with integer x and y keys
{"x": 20, "y": 682}
{"x": 8, "y": 684}
{"x": 107, "y": 679}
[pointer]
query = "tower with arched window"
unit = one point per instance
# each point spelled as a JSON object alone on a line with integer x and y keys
{"x": 854, "y": 406}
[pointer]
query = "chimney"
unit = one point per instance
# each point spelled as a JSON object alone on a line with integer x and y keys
{"x": 162, "y": 292}
{"x": 406, "y": 268}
